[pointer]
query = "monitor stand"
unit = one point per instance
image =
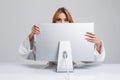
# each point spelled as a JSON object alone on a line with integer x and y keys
{"x": 65, "y": 62}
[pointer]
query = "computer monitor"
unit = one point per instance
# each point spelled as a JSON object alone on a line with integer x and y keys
{"x": 47, "y": 43}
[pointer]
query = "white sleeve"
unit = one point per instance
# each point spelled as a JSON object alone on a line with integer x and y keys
{"x": 26, "y": 51}
{"x": 99, "y": 57}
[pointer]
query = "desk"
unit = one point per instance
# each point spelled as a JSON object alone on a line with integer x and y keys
{"x": 41, "y": 72}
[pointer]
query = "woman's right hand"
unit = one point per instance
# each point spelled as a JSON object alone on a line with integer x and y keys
{"x": 35, "y": 30}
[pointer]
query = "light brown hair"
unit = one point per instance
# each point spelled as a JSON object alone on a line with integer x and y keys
{"x": 65, "y": 11}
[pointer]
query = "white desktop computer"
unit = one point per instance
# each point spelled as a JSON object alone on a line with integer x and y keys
{"x": 64, "y": 43}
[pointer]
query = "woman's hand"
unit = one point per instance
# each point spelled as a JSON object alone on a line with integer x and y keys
{"x": 94, "y": 39}
{"x": 35, "y": 30}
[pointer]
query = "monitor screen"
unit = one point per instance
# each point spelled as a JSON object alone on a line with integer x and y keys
{"x": 47, "y": 42}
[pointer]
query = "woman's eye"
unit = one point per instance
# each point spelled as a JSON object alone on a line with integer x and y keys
{"x": 66, "y": 20}
{"x": 58, "y": 19}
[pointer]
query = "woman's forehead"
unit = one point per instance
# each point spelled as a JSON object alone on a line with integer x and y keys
{"x": 61, "y": 15}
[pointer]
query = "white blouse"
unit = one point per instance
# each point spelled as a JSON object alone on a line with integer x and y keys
{"x": 28, "y": 53}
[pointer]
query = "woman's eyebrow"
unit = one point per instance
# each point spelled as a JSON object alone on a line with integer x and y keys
{"x": 58, "y": 18}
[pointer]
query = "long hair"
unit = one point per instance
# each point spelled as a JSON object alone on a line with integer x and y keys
{"x": 65, "y": 11}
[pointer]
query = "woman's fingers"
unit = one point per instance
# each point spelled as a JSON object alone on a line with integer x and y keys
{"x": 92, "y": 37}
{"x": 89, "y": 35}
{"x": 35, "y": 29}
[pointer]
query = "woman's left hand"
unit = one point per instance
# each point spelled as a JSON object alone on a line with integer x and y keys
{"x": 94, "y": 39}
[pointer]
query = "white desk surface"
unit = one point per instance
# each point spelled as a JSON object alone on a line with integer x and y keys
{"x": 40, "y": 72}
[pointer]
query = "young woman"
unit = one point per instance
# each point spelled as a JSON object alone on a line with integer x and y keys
{"x": 62, "y": 15}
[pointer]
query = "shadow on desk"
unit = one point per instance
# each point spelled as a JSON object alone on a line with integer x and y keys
{"x": 86, "y": 66}
{"x": 53, "y": 67}
{"x": 38, "y": 66}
